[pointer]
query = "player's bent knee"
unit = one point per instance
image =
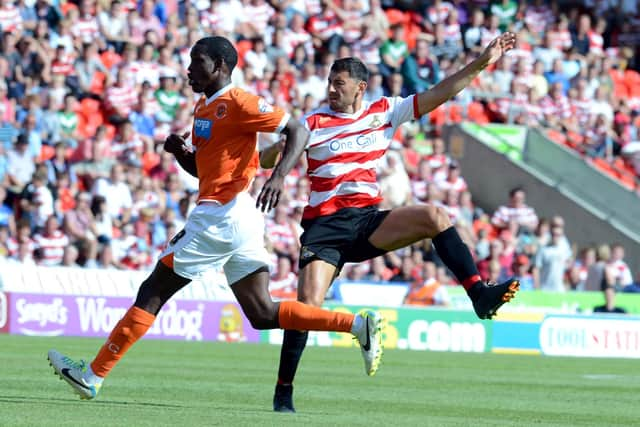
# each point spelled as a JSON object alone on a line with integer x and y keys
{"x": 437, "y": 219}
{"x": 263, "y": 315}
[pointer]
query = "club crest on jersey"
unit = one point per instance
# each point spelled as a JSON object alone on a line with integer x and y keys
{"x": 221, "y": 110}
{"x": 264, "y": 107}
{"x": 375, "y": 122}
{"x": 202, "y": 128}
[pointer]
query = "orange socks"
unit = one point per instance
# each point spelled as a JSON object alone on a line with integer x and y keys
{"x": 135, "y": 323}
{"x": 302, "y": 317}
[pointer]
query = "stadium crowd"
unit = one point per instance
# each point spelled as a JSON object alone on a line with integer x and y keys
{"x": 90, "y": 89}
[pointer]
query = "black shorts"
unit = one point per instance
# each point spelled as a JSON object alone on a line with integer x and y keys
{"x": 341, "y": 237}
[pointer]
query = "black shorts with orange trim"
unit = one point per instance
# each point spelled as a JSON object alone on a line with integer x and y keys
{"x": 341, "y": 237}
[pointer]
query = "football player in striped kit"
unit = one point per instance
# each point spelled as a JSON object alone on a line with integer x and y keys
{"x": 342, "y": 222}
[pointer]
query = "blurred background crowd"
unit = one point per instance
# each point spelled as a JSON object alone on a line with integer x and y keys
{"x": 90, "y": 89}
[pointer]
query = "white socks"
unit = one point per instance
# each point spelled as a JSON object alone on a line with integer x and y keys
{"x": 90, "y": 377}
{"x": 358, "y": 324}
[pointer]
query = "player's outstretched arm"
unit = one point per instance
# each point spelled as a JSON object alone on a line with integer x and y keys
{"x": 297, "y": 137}
{"x": 452, "y": 85}
{"x": 176, "y": 145}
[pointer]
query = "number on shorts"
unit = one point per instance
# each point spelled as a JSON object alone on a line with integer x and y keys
{"x": 177, "y": 237}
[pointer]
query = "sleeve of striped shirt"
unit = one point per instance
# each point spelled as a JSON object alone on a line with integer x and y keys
{"x": 401, "y": 110}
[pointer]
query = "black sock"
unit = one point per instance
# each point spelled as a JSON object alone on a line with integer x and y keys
{"x": 456, "y": 256}
{"x": 293, "y": 345}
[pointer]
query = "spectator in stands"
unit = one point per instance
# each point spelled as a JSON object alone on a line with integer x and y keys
{"x": 634, "y": 287}
{"x": 120, "y": 98}
{"x": 379, "y": 271}
{"x": 506, "y": 12}
{"x": 71, "y": 256}
{"x": 367, "y": 47}
{"x": 428, "y": 290}
{"x": 79, "y": 224}
{"x": 50, "y": 243}
{"x": 325, "y": 28}
{"x": 67, "y": 121}
{"x": 284, "y": 283}
{"x": 580, "y": 36}
{"x": 7, "y": 218}
{"x": 86, "y": 68}
{"x": 551, "y": 263}
{"x": 393, "y": 51}
{"x": 394, "y": 181}
{"x": 444, "y": 46}
{"x": 548, "y": 54}
{"x": 283, "y": 233}
{"x": 621, "y": 273}
{"x": 113, "y": 25}
{"x": 36, "y": 200}
{"x": 406, "y": 271}
{"x": 517, "y": 210}
{"x": 522, "y": 272}
{"x": 598, "y": 138}
{"x": 116, "y": 193}
{"x": 556, "y": 109}
{"x": 374, "y": 88}
{"x": 452, "y": 180}
{"x": 7, "y": 106}
{"x": 420, "y": 69}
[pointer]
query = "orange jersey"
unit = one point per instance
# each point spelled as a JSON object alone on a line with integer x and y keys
{"x": 225, "y": 134}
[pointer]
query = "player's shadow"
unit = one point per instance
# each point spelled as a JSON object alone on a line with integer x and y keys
{"x": 69, "y": 401}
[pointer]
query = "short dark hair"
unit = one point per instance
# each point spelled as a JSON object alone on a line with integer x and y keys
{"x": 515, "y": 190}
{"x": 356, "y": 69}
{"x": 220, "y": 48}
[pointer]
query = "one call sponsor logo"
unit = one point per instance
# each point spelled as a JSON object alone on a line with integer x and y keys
{"x": 4, "y": 312}
{"x": 352, "y": 144}
{"x": 583, "y": 337}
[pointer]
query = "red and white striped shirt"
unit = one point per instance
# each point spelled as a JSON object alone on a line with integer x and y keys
{"x": 596, "y": 43}
{"x": 560, "y": 40}
{"x": 522, "y": 215}
{"x": 438, "y": 15}
{"x": 86, "y": 29}
{"x": 281, "y": 234}
{"x": 121, "y": 99}
{"x": 293, "y": 38}
{"x": 344, "y": 151}
{"x": 258, "y": 16}
{"x": 147, "y": 71}
{"x": 558, "y": 107}
{"x": 51, "y": 247}
{"x": 10, "y": 19}
{"x": 13, "y": 246}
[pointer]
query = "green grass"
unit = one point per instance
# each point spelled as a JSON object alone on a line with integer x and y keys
{"x": 202, "y": 384}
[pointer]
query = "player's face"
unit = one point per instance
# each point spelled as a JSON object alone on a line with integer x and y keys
{"x": 201, "y": 71}
{"x": 344, "y": 92}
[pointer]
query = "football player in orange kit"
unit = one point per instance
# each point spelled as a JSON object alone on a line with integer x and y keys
{"x": 225, "y": 229}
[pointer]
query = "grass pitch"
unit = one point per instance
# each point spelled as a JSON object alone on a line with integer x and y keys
{"x": 203, "y": 384}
